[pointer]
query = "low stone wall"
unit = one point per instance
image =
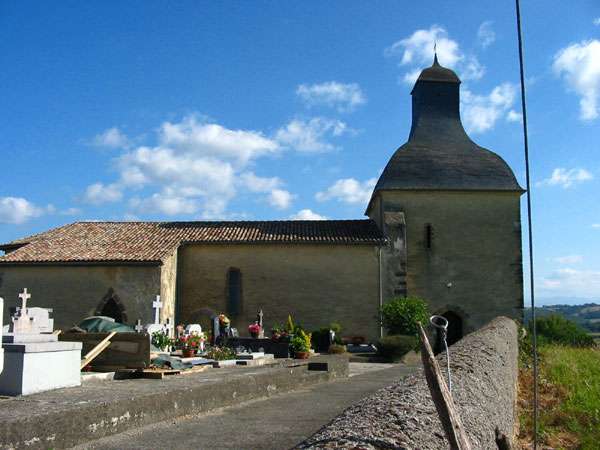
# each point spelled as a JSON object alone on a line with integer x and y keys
{"x": 402, "y": 416}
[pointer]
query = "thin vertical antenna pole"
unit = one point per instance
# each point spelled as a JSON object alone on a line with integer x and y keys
{"x": 530, "y": 231}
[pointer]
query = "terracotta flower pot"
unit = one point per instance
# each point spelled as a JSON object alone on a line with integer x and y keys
{"x": 188, "y": 352}
{"x": 302, "y": 355}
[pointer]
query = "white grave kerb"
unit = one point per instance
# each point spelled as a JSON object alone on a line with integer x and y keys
{"x": 157, "y": 304}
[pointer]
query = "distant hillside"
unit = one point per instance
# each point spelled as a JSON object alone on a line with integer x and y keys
{"x": 586, "y": 315}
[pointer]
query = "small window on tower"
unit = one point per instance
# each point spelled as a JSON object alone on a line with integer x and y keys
{"x": 428, "y": 235}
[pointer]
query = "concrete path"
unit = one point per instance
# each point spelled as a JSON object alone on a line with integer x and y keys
{"x": 278, "y": 422}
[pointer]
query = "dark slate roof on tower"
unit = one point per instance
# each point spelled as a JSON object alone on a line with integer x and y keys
{"x": 439, "y": 155}
{"x": 151, "y": 242}
{"x": 438, "y": 73}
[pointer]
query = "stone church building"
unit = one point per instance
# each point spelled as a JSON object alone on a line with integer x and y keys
{"x": 444, "y": 225}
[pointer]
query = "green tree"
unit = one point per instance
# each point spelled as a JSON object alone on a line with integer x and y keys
{"x": 402, "y": 315}
{"x": 555, "y": 329}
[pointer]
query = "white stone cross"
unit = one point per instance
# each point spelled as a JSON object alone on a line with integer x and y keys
{"x": 138, "y": 326}
{"x": 24, "y": 296}
{"x": 157, "y": 305}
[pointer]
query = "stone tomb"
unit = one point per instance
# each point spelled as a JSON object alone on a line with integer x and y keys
{"x": 36, "y": 361}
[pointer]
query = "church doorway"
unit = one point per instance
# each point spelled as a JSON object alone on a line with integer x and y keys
{"x": 111, "y": 306}
{"x": 455, "y": 327}
{"x": 453, "y": 334}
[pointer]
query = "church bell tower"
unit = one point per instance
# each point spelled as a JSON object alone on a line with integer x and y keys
{"x": 451, "y": 212}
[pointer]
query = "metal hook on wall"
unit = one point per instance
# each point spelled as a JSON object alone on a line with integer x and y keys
{"x": 441, "y": 323}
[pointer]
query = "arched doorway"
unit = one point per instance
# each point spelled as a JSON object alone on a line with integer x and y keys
{"x": 453, "y": 334}
{"x": 111, "y": 306}
{"x": 455, "y": 327}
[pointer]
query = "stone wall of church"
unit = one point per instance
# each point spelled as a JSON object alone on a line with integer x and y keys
{"x": 472, "y": 264}
{"x": 316, "y": 284}
{"x": 75, "y": 292}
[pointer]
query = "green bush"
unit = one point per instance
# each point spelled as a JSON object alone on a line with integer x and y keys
{"x": 395, "y": 347}
{"x": 336, "y": 349}
{"x": 402, "y": 315}
{"x": 555, "y": 329}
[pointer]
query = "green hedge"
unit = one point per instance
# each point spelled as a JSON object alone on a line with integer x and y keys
{"x": 395, "y": 347}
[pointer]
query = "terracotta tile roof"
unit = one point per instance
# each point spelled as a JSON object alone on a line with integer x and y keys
{"x": 153, "y": 241}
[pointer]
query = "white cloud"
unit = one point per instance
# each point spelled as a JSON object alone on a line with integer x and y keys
{"x": 343, "y": 97}
{"x": 486, "y": 34}
{"x": 213, "y": 140}
{"x": 596, "y": 21}
{"x": 307, "y": 214}
{"x": 194, "y": 167}
{"x": 280, "y": 198}
{"x": 259, "y": 184}
{"x": 309, "y": 136}
{"x": 17, "y": 210}
{"x": 111, "y": 138}
{"x": 481, "y": 112}
{"x": 349, "y": 190}
{"x": 514, "y": 116}
{"x": 417, "y": 50}
{"x": 99, "y": 193}
{"x": 566, "y": 178}
{"x": 579, "y": 65}
{"x": 166, "y": 202}
{"x": 568, "y": 259}
{"x": 574, "y": 282}
{"x": 596, "y": 225}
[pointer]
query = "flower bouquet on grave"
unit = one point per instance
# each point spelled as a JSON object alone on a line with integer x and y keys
{"x": 279, "y": 334}
{"x": 190, "y": 344}
{"x": 254, "y": 330}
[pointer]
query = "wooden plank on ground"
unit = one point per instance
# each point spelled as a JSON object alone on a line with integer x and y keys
{"x": 88, "y": 358}
{"x": 442, "y": 398}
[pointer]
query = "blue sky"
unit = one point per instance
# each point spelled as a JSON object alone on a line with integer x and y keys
{"x": 273, "y": 110}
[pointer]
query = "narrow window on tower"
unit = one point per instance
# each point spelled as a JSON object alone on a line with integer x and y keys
{"x": 428, "y": 235}
{"x": 234, "y": 291}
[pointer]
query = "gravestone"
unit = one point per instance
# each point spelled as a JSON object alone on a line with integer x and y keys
{"x": 34, "y": 359}
{"x": 156, "y": 326}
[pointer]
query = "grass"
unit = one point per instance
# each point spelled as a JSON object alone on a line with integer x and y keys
{"x": 569, "y": 398}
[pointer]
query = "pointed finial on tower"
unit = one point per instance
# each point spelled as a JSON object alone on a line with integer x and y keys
{"x": 435, "y": 59}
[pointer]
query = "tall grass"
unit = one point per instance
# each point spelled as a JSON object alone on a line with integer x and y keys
{"x": 569, "y": 397}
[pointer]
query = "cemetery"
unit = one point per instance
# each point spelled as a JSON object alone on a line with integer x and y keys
{"x": 196, "y": 370}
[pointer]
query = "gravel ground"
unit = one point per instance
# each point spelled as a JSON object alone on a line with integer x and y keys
{"x": 402, "y": 415}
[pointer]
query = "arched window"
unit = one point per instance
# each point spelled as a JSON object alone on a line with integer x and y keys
{"x": 234, "y": 291}
{"x": 111, "y": 306}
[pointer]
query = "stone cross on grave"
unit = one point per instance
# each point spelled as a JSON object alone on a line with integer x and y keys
{"x": 157, "y": 304}
{"x": 138, "y": 326}
{"x": 24, "y": 296}
{"x": 260, "y": 318}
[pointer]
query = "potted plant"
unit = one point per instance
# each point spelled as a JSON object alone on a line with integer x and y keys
{"x": 254, "y": 330}
{"x": 300, "y": 344}
{"x": 190, "y": 344}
